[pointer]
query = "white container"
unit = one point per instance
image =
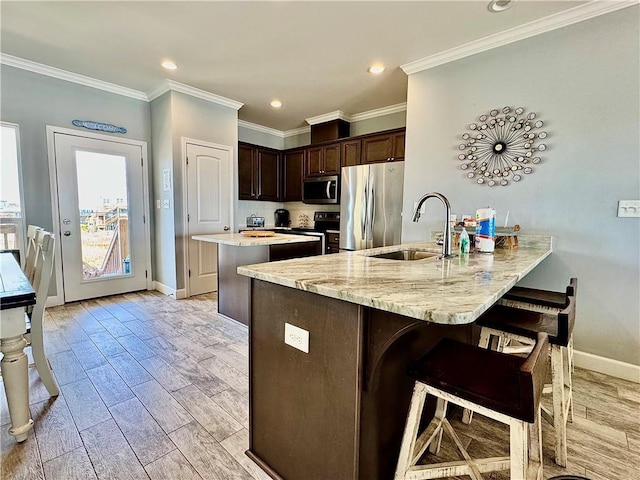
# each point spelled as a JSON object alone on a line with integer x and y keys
{"x": 485, "y": 240}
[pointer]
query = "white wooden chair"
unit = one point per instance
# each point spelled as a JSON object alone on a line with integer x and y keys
{"x": 29, "y": 265}
{"x": 42, "y": 272}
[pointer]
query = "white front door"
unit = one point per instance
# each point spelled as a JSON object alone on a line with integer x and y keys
{"x": 101, "y": 208}
{"x": 209, "y": 210}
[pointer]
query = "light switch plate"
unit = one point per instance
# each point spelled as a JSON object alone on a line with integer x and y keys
{"x": 158, "y": 203}
{"x": 296, "y": 337}
{"x": 629, "y": 208}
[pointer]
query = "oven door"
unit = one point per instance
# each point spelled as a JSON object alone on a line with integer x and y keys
{"x": 321, "y": 190}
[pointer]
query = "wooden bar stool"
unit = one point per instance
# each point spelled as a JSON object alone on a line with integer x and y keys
{"x": 503, "y": 387}
{"x": 520, "y": 315}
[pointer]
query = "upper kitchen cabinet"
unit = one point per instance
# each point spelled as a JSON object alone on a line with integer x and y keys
{"x": 350, "y": 152}
{"x": 386, "y": 147}
{"x": 292, "y": 174}
{"x": 258, "y": 173}
{"x": 322, "y": 160}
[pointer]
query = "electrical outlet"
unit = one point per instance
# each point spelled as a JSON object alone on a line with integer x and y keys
{"x": 296, "y": 337}
{"x": 629, "y": 208}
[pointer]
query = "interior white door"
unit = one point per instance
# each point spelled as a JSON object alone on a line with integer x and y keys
{"x": 209, "y": 210}
{"x": 102, "y": 214}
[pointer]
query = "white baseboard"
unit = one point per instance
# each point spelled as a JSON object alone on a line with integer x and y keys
{"x": 608, "y": 366}
{"x": 171, "y": 292}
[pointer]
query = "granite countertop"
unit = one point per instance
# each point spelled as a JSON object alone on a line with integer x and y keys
{"x": 239, "y": 240}
{"x": 454, "y": 291}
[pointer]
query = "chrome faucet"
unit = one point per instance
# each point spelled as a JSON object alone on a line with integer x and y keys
{"x": 446, "y": 244}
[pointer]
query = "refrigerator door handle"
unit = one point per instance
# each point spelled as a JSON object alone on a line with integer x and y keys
{"x": 363, "y": 217}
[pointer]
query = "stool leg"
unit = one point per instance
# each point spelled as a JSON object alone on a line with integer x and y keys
{"x": 559, "y": 403}
{"x": 535, "y": 446}
{"x": 570, "y": 376}
{"x": 441, "y": 412}
{"x": 405, "y": 458}
{"x": 519, "y": 449}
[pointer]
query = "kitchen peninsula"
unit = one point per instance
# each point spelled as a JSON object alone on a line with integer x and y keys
{"x": 235, "y": 249}
{"x": 332, "y": 403}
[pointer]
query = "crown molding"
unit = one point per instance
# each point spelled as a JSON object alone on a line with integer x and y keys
{"x": 531, "y": 29}
{"x": 297, "y": 131}
{"x": 379, "y": 112}
{"x": 327, "y": 117}
{"x": 42, "y": 69}
{"x": 261, "y": 128}
{"x": 167, "y": 85}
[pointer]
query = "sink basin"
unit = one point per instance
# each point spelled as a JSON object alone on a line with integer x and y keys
{"x": 405, "y": 255}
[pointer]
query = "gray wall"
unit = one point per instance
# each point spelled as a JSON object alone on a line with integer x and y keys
{"x": 175, "y": 116}
{"x": 164, "y": 223}
{"x": 34, "y": 101}
{"x": 264, "y": 139}
{"x": 582, "y": 81}
{"x": 199, "y": 120}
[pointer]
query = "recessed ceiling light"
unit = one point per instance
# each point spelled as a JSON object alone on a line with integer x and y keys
{"x": 276, "y": 103}
{"x": 169, "y": 65}
{"x": 496, "y": 6}
{"x": 376, "y": 69}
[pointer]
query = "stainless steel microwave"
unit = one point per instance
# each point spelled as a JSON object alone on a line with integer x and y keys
{"x": 319, "y": 190}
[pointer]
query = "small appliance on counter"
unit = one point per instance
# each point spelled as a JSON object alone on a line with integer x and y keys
{"x": 282, "y": 218}
{"x": 255, "y": 222}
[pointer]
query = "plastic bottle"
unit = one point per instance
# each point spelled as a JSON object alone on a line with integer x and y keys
{"x": 464, "y": 241}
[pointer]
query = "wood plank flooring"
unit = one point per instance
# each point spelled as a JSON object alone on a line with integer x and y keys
{"x": 154, "y": 388}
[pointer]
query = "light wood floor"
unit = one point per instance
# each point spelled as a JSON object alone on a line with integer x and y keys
{"x": 157, "y": 388}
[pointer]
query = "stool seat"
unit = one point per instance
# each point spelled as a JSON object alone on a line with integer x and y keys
{"x": 489, "y": 378}
{"x": 527, "y": 323}
{"x": 539, "y": 297}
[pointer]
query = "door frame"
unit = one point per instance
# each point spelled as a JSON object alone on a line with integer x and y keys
{"x": 185, "y": 199}
{"x": 55, "y": 213}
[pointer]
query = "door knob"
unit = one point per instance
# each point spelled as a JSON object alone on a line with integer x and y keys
{"x": 226, "y": 228}
{"x": 66, "y": 233}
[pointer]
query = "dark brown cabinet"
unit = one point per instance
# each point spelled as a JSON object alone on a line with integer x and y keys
{"x": 350, "y": 152}
{"x": 292, "y": 175}
{"x": 387, "y": 147}
{"x": 322, "y": 160}
{"x": 271, "y": 175}
{"x": 258, "y": 173}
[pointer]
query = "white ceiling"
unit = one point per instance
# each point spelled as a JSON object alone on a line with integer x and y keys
{"x": 313, "y": 56}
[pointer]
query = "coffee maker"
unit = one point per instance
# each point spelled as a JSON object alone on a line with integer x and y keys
{"x": 282, "y": 218}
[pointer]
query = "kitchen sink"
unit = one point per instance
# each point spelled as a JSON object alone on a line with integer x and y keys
{"x": 406, "y": 255}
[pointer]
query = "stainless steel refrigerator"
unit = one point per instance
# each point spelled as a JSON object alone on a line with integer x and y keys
{"x": 371, "y": 205}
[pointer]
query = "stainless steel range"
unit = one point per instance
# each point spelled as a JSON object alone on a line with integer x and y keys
{"x": 326, "y": 225}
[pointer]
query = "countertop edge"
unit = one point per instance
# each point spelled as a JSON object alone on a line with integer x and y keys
{"x": 406, "y": 309}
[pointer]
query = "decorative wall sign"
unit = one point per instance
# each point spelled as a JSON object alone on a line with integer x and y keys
{"x": 103, "y": 127}
{"x": 502, "y": 146}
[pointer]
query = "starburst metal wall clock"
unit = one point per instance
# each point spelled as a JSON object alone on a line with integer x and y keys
{"x": 502, "y": 146}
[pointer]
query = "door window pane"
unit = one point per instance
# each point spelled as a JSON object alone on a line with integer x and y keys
{"x": 104, "y": 221}
{"x": 10, "y": 205}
